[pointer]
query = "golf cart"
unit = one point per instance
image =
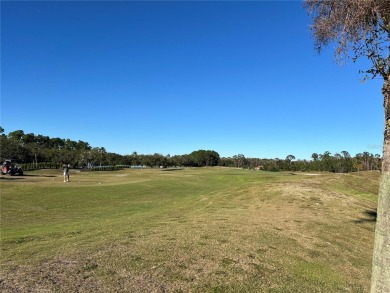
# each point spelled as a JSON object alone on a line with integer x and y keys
{"x": 10, "y": 167}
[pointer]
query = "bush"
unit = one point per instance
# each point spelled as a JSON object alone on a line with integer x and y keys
{"x": 43, "y": 165}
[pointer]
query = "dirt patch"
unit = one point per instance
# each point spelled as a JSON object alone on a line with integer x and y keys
{"x": 59, "y": 275}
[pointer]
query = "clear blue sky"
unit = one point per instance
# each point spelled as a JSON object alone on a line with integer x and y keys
{"x": 174, "y": 77}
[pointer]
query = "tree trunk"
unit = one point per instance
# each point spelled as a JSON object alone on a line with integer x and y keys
{"x": 380, "y": 279}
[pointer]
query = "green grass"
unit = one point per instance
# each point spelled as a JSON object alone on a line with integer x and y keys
{"x": 190, "y": 230}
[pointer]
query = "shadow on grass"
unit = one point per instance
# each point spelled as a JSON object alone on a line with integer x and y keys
{"x": 171, "y": 169}
{"x": 371, "y": 216}
{"x": 25, "y": 175}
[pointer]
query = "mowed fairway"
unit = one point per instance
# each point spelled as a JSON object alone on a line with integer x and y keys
{"x": 190, "y": 230}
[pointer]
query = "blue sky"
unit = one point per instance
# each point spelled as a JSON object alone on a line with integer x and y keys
{"x": 174, "y": 77}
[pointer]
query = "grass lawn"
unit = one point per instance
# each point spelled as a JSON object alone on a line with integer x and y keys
{"x": 190, "y": 230}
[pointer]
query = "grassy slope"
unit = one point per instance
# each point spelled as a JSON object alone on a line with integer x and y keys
{"x": 197, "y": 230}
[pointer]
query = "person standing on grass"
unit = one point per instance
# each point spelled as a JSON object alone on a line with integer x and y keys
{"x": 66, "y": 172}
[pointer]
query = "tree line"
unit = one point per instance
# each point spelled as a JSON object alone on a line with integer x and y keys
{"x": 341, "y": 162}
{"x": 39, "y": 149}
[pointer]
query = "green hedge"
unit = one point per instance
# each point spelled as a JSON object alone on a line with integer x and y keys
{"x": 45, "y": 165}
{"x": 49, "y": 165}
{"x": 106, "y": 168}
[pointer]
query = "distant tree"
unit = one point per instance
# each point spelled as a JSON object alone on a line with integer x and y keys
{"x": 70, "y": 144}
{"x": 155, "y": 160}
{"x": 346, "y": 162}
{"x": 113, "y": 159}
{"x": 275, "y": 165}
{"x": 240, "y": 160}
{"x": 101, "y": 155}
{"x": 366, "y": 159}
{"x": 135, "y": 159}
{"x": 316, "y": 163}
{"x": 12, "y": 146}
{"x": 177, "y": 160}
{"x": 377, "y": 161}
{"x": 57, "y": 143}
{"x": 213, "y": 158}
{"x": 28, "y": 138}
{"x": 16, "y": 136}
{"x": 338, "y": 163}
{"x": 226, "y": 162}
{"x": 327, "y": 162}
{"x": 159, "y": 160}
{"x": 42, "y": 141}
{"x": 289, "y": 158}
{"x": 203, "y": 158}
{"x": 81, "y": 145}
{"x": 288, "y": 162}
{"x": 362, "y": 29}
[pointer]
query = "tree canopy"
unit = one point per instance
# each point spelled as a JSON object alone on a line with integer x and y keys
{"x": 361, "y": 28}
